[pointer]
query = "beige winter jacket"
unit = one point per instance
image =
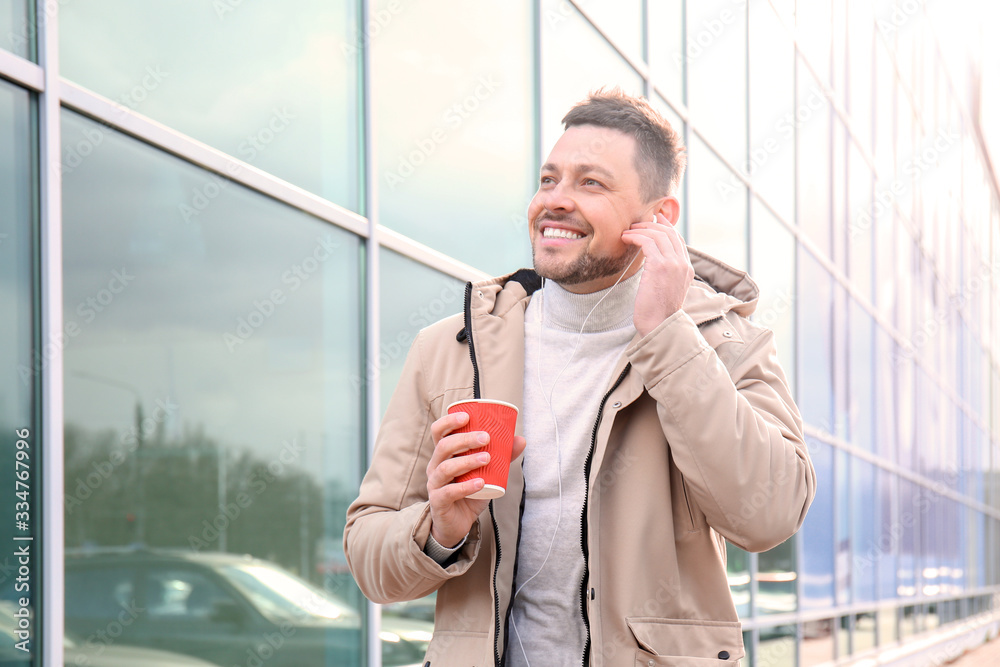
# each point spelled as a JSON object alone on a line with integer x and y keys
{"x": 697, "y": 441}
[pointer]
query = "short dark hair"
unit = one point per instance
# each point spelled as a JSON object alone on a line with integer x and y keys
{"x": 660, "y": 157}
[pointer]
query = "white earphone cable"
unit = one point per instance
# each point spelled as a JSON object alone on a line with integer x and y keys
{"x": 555, "y": 424}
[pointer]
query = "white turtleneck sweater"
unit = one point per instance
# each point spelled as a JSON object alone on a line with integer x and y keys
{"x": 571, "y": 372}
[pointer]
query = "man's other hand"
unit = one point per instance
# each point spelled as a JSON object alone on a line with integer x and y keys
{"x": 666, "y": 275}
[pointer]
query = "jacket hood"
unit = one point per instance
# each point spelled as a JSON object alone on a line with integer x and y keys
{"x": 716, "y": 290}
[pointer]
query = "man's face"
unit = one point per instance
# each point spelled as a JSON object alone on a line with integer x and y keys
{"x": 588, "y": 194}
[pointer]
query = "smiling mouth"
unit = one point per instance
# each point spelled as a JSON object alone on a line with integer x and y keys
{"x": 559, "y": 233}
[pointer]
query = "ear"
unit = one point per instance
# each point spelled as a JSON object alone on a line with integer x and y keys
{"x": 670, "y": 208}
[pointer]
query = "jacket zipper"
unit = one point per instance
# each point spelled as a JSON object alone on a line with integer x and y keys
{"x": 583, "y": 517}
{"x": 496, "y": 592}
{"x": 472, "y": 346}
{"x": 496, "y": 529}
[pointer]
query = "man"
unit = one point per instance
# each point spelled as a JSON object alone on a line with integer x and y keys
{"x": 653, "y": 411}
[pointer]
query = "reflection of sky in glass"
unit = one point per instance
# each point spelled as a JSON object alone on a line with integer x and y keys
{"x": 576, "y": 60}
{"x": 666, "y": 52}
{"x": 621, "y": 20}
{"x": 816, "y": 536}
{"x": 717, "y": 83}
{"x": 717, "y": 207}
{"x": 771, "y": 161}
{"x": 453, "y": 119}
{"x": 234, "y": 316}
{"x": 413, "y": 296}
{"x": 815, "y": 346}
{"x": 273, "y": 87}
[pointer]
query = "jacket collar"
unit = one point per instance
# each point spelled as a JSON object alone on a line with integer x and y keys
{"x": 716, "y": 290}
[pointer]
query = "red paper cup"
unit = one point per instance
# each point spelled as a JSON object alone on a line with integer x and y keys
{"x": 496, "y": 418}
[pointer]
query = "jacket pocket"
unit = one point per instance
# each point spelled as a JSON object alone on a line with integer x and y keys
{"x": 682, "y": 642}
{"x": 643, "y": 659}
{"x": 459, "y": 647}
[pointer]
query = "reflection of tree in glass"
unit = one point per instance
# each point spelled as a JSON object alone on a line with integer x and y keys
{"x": 269, "y": 508}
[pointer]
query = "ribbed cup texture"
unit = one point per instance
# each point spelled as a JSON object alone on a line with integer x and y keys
{"x": 497, "y": 420}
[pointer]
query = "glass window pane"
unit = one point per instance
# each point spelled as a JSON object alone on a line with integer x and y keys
{"x": 777, "y": 646}
{"x": 860, "y": 223}
{"x": 18, "y": 34}
{"x": 738, "y": 571}
{"x": 861, "y": 41}
{"x": 815, "y": 344}
{"x": 813, "y": 25}
{"x": 717, "y": 207}
{"x": 621, "y": 21}
{"x": 772, "y": 267}
{"x": 771, "y": 163}
{"x": 812, "y": 116}
{"x": 817, "y": 642}
{"x": 887, "y": 545}
{"x": 208, "y": 404}
{"x": 864, "y": 537}
{"x": 842, "y": 528}
{"x": 677, "y": 124}
{"x": 414, "y": 296}
{"x": 576, "y": 61}
{"x": 888, "y": 630}
{"x": 843, "y": 636}
{"x": 21, "y": 363}
{"x": 275, "y": 88}
{"x": 455, "y": 135}
{"x": 716, "y": 74}
{"x": 816, "y": 534}
{"x": 666, "y": 50}
{"x": 861, "y": 361}
{"x": 777, "y": 580}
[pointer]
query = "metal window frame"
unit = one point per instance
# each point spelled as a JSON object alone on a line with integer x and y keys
{"x": 51, "y": 305}
{"x": 54, "y": 94}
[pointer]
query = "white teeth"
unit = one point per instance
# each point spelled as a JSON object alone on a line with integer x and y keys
{"x": 556, "y": 233}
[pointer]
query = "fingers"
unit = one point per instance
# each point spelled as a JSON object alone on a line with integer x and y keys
{"x": 447, "y": 424}
{"x": 443, "y": 474}
{"x": 666, "y": 239}
{"x": 518, "y": 449}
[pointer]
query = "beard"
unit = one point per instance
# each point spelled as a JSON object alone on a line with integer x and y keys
{"x": 583, "y": 268}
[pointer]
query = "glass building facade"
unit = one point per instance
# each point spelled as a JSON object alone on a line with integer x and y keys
{"x": 223, "y": 223}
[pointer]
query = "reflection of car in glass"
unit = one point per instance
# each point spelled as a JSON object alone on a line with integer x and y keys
{"x": 224, "y": 608}
{"x": 91, "y": 654}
